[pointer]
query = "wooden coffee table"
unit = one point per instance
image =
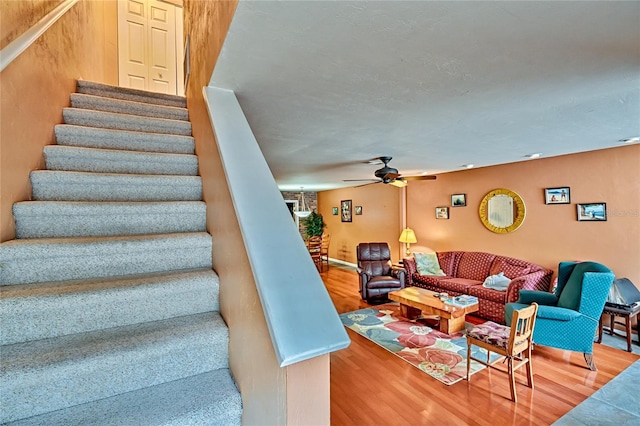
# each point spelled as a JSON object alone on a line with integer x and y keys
{"x": 414, "y": 301}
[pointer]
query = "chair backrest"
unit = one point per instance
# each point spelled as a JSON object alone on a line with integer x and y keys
{"x": 522, "y": 324}
{"x": 570, "y": 278}
{"x": 326, "y": 239}
{"x": 374, "y": 258}
{"x": 314, "y": 244}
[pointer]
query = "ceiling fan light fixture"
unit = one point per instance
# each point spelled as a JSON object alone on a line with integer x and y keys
{"x": 400, "y": 183}
{"x": 630, "y": 140}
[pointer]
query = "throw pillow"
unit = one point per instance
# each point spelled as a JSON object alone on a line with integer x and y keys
{"x": 497, "y": 282}
{"x": 427, "y": 264}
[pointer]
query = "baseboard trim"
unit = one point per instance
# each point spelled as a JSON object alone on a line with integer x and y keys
{"x": 342, "y": 262}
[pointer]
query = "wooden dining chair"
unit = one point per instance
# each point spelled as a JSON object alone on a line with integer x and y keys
{"x": 324, "y": 250}
{"x": 513, "y": 343}
{"x": 314, "y": 245}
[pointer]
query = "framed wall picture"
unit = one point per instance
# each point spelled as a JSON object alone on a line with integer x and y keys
{"x": 592, "y": 212}
{"x": 558, "y": 195}
{"x": 358, "y": 210}
{"x": 334, "y": 211}
{"x": 345, "y": 210}
{"x": 442, "y": 212}
{"x": 458, "y": 200}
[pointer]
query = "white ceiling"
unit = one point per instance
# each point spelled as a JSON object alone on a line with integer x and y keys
{"x": 326, "y": 85}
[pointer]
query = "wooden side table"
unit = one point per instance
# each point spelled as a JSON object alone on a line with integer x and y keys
{"x": 616, "y": 312}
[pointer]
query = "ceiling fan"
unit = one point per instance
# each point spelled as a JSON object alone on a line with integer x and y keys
{"x": 390, "y": 175}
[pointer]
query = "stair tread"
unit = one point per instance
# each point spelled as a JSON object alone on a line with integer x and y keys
{"x": 101, "y": 119}
{"x": 106, "y": 207}
{"x": 50, "y": 309}
{"x": 81, "y": 242}
{"x": 204, "y": 399}
{"x": 119, "y": 153}
{"x": 84, "y": 85}
{"x": 80, "y": 177}
{"x": 95, "y": 137}
{"x": 68, "y": 219}
{"x": 69, "y": 370}
{"x": 92, "y": 284}
{"x": 102, "y": 103}
{"x": 99, "y": 160}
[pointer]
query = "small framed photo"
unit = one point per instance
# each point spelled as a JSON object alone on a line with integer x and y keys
{"x": 345, "y": 210}
{"x": 442, "y": 212}
{"x": 458, "y": 200}
{"x": 358, "y": 210}
{"x": 557, "y": 195}
{"x": 334, "y": 211}
{"x": 592, "y": 212}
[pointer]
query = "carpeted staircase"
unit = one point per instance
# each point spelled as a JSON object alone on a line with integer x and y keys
{"x": 109, "y": 311}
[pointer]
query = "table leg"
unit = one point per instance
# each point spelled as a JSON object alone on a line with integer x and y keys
{"x": 452, "y": 325}
{"x": 600, "y": 329}
{"x": 410, "y": 312}
{"x": 628, "y": 327}
{"x": 611, "y": 323}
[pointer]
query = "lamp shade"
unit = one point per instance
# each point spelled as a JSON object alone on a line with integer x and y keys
{"x": 408, "y": 236}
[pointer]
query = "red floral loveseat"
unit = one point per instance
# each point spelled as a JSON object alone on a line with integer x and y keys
{"x": 466, "y": 271}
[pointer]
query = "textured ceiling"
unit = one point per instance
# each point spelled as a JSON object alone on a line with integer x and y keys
{"x": 327, "y": 85}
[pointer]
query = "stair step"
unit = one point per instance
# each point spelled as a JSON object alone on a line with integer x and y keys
{"x": 45, "y": 310}
{"x": 205, "y": 399}
{"x": 50, "y": 185}
{"x": 59, "y": 157}
{"x": 99, "y": 89}
{"x": 59, "y": 259}
{"x": 92, "y": 137}
{"x": 100, "y": 103}
{"x": 52, "y": 374}
{"x": 59, "y": 219}
{"x": 110, "y": 120}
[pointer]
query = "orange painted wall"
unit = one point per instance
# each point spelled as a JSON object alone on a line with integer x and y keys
{"x": 299, "y": 393}
{"x": 380, "y": 219}
{"x": 36, "y": 85}
{"x": 550, "y": 233}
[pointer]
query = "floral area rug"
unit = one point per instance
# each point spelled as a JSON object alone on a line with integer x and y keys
{"x": 440, "y": 355}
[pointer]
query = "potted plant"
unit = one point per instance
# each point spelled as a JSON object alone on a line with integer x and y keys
{"x": 313, "y": 224}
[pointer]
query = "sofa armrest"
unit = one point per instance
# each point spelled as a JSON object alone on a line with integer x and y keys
{"x": 537, "y": 281}
{"x": 543, "y": 298}
{"x": 409, "y": 266}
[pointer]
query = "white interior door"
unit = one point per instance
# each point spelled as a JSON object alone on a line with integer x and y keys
{"x": 147, "y": 45}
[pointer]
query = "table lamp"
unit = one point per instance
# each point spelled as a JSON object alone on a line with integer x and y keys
{"x": 408, "y": 237}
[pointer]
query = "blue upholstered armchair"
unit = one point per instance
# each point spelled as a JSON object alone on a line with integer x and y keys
{"x": 568, "y": 319}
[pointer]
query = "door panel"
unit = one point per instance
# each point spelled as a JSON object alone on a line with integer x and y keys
{"x": 147, "y": 45}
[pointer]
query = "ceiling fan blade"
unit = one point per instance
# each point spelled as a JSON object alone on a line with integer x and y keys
{"x": 425, "y": 177}
{"x": 365, "y": 184}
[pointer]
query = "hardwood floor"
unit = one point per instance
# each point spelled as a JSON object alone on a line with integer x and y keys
{"x": 371, "y": 386}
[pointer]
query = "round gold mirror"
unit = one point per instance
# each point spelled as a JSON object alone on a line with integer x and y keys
{"x": 502, "y": 211}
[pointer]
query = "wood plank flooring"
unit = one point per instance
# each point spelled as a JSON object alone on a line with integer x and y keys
{"x": 371, "y": 386}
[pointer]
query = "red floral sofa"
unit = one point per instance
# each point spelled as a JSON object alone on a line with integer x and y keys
{"x": 465, "y": 272}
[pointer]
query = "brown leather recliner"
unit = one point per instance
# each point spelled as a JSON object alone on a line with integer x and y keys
{"x": 377, "y": 276}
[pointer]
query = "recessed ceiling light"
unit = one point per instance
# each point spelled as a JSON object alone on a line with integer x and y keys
{"x": 468, "y": 166}
{"x": 630, "y": 140}
{"x": 534, "y": 155}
